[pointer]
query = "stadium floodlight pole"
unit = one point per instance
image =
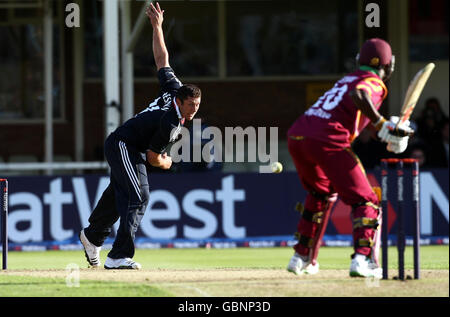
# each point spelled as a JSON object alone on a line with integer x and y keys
{"x": 48, "y": 81}
{"x": 127, "y": 61}
{"x": 78, "y": 75}
{"x": 111, "y": 64}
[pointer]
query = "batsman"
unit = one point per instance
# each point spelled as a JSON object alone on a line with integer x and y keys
{"x": 320, "y": 145}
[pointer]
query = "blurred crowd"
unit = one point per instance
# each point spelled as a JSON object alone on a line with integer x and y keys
{"x": 429, "y": 144}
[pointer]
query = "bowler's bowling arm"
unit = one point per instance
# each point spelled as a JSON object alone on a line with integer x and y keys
{"x": 160, "y": 53}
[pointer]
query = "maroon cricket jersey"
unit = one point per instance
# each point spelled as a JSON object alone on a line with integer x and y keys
{"x": 334, "y": 118}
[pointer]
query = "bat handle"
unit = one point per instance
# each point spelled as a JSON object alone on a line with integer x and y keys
{"x": 398, "y": 131}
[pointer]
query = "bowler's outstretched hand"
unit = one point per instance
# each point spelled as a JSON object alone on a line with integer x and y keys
{"x": 155, "y": 14}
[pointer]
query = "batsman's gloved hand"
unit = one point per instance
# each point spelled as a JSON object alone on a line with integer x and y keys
{"x": 397, "y": 144}
{"x": 388, "y": 130}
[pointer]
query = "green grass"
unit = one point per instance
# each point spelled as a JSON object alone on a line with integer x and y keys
{"x": 432, "y": 257}
{"x": 21, "y": 280}
{"x": 26, "y": 286}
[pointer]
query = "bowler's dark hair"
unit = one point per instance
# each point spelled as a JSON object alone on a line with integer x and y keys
{"x": 187, "y": 91}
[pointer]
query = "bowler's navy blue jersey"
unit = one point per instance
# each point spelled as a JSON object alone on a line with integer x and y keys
{"x": 151, "y": 128}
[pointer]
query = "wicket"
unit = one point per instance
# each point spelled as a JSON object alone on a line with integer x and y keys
{"x": 4, "y": 229}
{"x": 401, "y": 235}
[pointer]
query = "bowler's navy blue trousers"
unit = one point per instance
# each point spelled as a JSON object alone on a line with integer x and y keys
{"x": 126, "y": 197}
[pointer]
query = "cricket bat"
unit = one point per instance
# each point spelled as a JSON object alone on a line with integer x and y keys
{"x": 414, "y": 91}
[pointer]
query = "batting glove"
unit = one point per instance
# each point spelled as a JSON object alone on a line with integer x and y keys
{"x": 397, "y": 144}
{"x": 388, "y": 130}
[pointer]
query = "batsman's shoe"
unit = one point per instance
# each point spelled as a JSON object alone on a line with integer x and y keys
{"x": 311, "y": 268}
{"x": 300, "y": 265}
{"x": 121, "y": 264}
{"x": 91, "y": 251}
{"x": 362, "y": 266}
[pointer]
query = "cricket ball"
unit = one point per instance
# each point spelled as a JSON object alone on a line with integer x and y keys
{"x": 276, "y": 167}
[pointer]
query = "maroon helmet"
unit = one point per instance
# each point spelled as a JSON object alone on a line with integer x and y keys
{"x": 377, "y": 53}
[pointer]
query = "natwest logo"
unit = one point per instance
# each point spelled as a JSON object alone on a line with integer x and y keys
{"x": 57, "y": 209}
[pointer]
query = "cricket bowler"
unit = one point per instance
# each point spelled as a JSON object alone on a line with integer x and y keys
{"x": 141, "y": 140}
{"x": 319, "y": 142}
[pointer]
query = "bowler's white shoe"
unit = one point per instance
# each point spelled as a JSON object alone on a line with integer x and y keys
{"x": 123, "y": 263}
{"x": 91, "y": 251}
{"x": 362, "y": 266}
{"x": 300, "y": 265}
